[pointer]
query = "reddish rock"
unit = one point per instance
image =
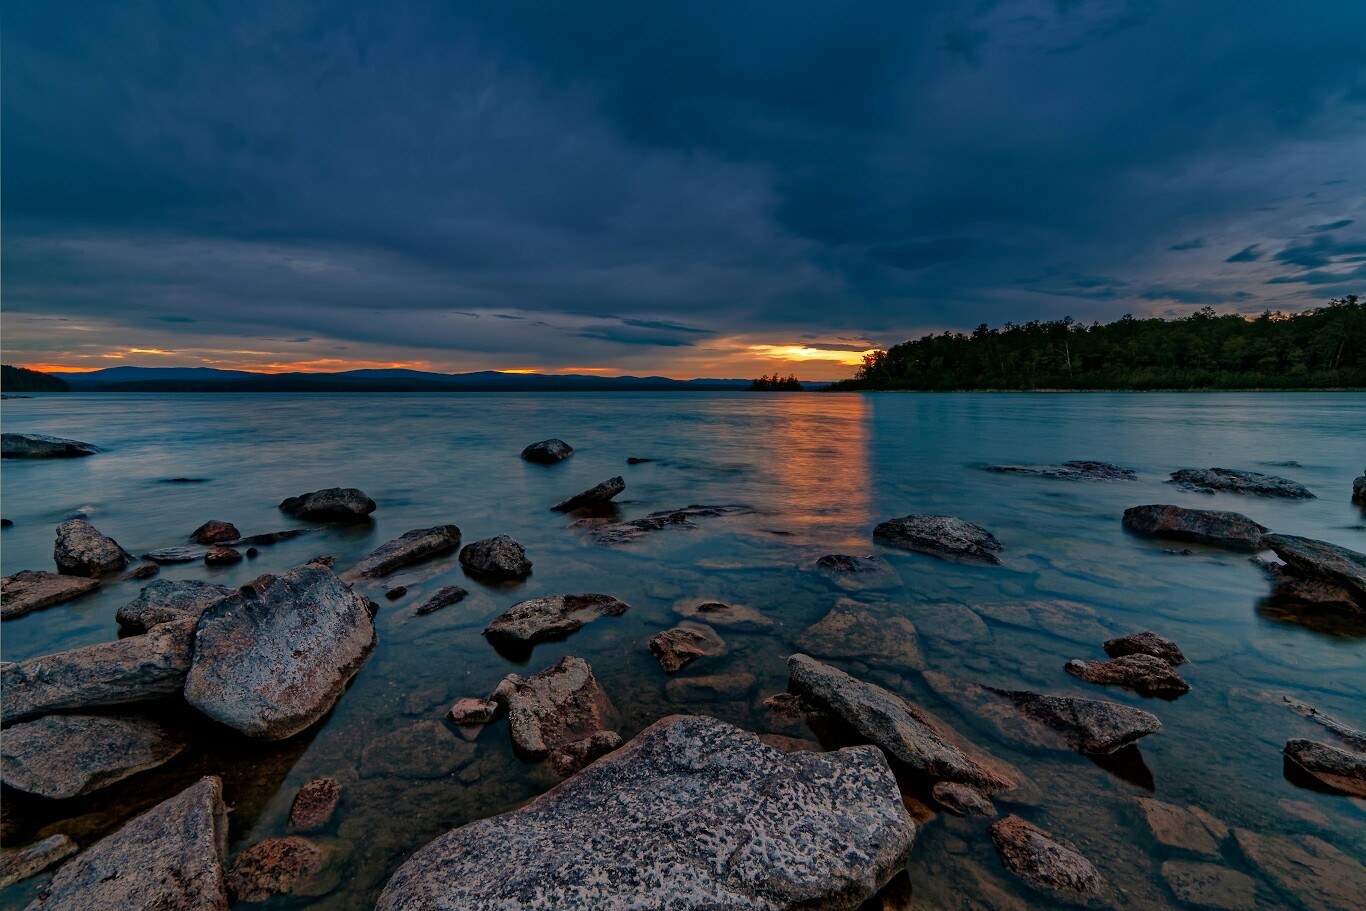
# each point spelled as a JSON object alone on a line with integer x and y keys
{"x": 1179, "y": 828}
{"x": 281, "y": 866}
{"x": 1338, "y": 769}
{"x": 1144, "y": 674}
{"x": 222, "y": 556}
{"x": 570, "y": 758}
{"x": 31, "y": 590}
{"x": 850, "y": 632}
{"x": 1145, "y": 643}
{"x": 1318, "y": 875}
{"x": 472, "y": 711}
{"x": 678, "y": 647}
{"x": 725, "y": 616}
{"x": 314, "y": 804}
{"x": 559, "y": 705}
{"x": 1209, "y": 886}
{"x": 215, "y": 532}
{"x": 1046, "y": 863}
{"x": 961, "y": 800}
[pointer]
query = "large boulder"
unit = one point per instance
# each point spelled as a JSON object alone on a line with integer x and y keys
{"x": 1335, "y": 768}
{"x": 166, "y": 600}
{"x": 409, "y": 548}
{"x": 1088, "y": 725}
{"x": 137, "y": 669}
{"x": 41, "y": 446}
{"x": 670, "y": 820}
{"x": 594, "y": 497}
{"x": 561, "y": 704}
{"x": 60, "y": 756}
{"x": 1048, "y": 864}
{"x": 1144, "y": 674}
{"x": 940, "y": 536}
{"x": 1319, "y": 559}
{"x": 334, "y": 504}
{"x": 1203, "y": 526}
{"x": 215, "y": 531}
{"x": 82, "y": 551}
{"x": 1078, "y": 470}
{"x": 635, "y": 529}
{"x": 552, "y": 617}
{"x": 169, "y": 859}
{"x": 901, "y": 729}
{"x": 275, "y": 657}
{"x": 547, "y": 452}
{"x": 30, "y": 590}
{"x": 1233, "y": 480}
{"x": 497, "y": 559}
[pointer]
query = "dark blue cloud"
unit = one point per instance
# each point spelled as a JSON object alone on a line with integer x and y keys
{"x": 1245, "y": 255}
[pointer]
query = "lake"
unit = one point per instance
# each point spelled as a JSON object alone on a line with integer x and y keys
{"x": 818, "y": 472}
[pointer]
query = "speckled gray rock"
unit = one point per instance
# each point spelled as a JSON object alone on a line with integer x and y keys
{"x": 166, "y": 600}
{"x": 894, "y": 724}
{"x": 168, "y": 859}
{"x": 1146, "y": 675}
{"x": 60, "y": 756}
{"x": 1233, "y": 480}
{"x": 678, "y": 647}
{"x": 274, "y": 658}
{"x": 334, "y": 504}
{"x": 559, "y": 705}
{"x": 1341, "y": 770}
{"x": 409, "y": 548}
{"x": 612, "y": 533}
{"x": 1046, "y": 863}
{"x": 1145, "y": 643}
{"x": 20, "y": 863}
{"x": 81, "y": 550}
{"x": 1088, "y": 725}
{"x": 42, "y": 446}
{"x": 547, "y": 452}
{"x": 137, "y": 669}
{"x": 30, "y": 590}
{"x": 1232, "y": 530}
{"x": 552, "y": 617}
{"x": 1319, "y": 559}
{"x": 940, "y": 536}
{"x": 669, "y": 820}
{"x": 854, "y": 574}
{"x": 594, "y": 497}
{"x": 1077, "y": 470}
{"x": 496, "y": 559}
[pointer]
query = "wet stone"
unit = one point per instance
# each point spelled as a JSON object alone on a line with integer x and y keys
{"x": 1144, "y": 674}
{"x": 443, "y": 597}
{"x": 736, "y": 617}
{"x": 1318, "y": 875}
{"x": 31, "y": 590}
{"x": 394, "y": 592}
{"x": 170, "y": 555}
{"x": 1210, "y": 887}
{"x": 166, "y": 600}
{"x": 470, "y": 711}
{"x": 1337, "y": 769}
{"x": 593, "y": 498}
{"x": 496, "y": 559}
{"x": 1089, "y": 725}
{"x": 678, "y": 647}
{"x": 849, "y": 632}
{"x": 1233, "y": 480}
{"x": 334, "y": 504}
{"x": 940, "y": 536}
{"x": 315, "y": 804}
{"x": 1178, "y": 828}
{"x": 61, "y": 756}
{"x": 1318, "y": 559}
{"x": 572, "y": 757}
{"x": 548, "y": 452}
{"x": 1064, "y": 619}
{"x": 552, "y": 617}
{"x": 144, "y": 570}
{"x": 215, "y": 532}
{"x": 561, "y": 704}
{"x": 411, "y": 547}
{"x": 1077, "y": 470}
{"x": 1145, "y": 643}
{"x": 612, "y": 533}
{"x": 222, "y": 556}
{"x": 282, "y": 866}
{"x": 961, "y": 800}
{"x": 851, "y": 573}
{"x": 1046, "y": 863}
{"x": 711, "y": 687}
{"x": 42, "y": 446}
{"x": 1203, "y": 526}
{"x": 427, "y": 749}
{"x": 20, "y": 863}
{"x": 81, "y": 550}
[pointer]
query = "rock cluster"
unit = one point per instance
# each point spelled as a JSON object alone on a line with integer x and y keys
{"x": 635, "y": 529}
{"x": 1145, "y": 643}
{"x": 940, "y": 536}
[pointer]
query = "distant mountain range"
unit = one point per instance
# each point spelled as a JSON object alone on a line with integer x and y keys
{"x": 208, "y": 379}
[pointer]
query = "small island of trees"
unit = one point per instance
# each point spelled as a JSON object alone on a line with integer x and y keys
{"x": 776, "y": 383}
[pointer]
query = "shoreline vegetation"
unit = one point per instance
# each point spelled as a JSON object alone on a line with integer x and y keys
{"x": 1319, "y": 349}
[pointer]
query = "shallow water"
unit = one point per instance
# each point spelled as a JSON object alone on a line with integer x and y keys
{"x": 819, "y": 472}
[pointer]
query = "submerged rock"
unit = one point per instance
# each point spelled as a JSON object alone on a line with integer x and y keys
{"x": 670, "y": 819}
{"x": 850, "y": 632}
{"x": 145, "y": 570}
{"x": 1089, "y": 725}
{"x": 552, "y": 617}
{"x": 274, "y": 658}
{"x": 137, "y": 669}
{"x": 169, "y": 859}
{"x": 470, "y": 711}
{"x": 443, "y": 597}
{"x": 635, "y": 529}
{"x": 314, "y": 805}
{"x": 334, "y": 504}
{"x": 1065, "y": 619}
{"x": 20, "y": 863}
{"x": 859, "y": 573}
{"x": 60, "y": 756}
{"x": 282, "y": 866}
{"x": 409, "y": 548}
{"x": 167, "y": 555}
{"x": 940, "y": 536}
{"x": 1318, "y": 875}
{"x": 496, "y": 559}
{"x": 82, "y": 551}
{"x": 427, "y": 749}
{"x": 1319, "y": 559}
{"x": 1203, "y": 526}
{"x": 725, "y": 616}
{"x": 547, "y": 452}
{"x": 711, "y": 687}
{"x": 166, "y": 600}
{"x": 961, "y": 800}
{"x": 1179, "y": 828}
{"x": 594, "y": 497}
{"x": 1233, "y": 480}
{"x": 1050, "y": 865}
{"x": 573, "y": 757}
{"x": 1144, "y": 674}
{"x": 1210, "y": 886}
{"x": 901, "y": 729}
{"x": 215, "y": 532}
{"x": 1080, "y": 470}
{"x": 1337, "y": 769}
{"x": 42, "y": 446}
{"x": 30, "y": 590}
{"x": 1145, "y": 643}
{"x": 272, "y": 537}
{"x": 559, "y": 705}
{"x": 678, "y": 647}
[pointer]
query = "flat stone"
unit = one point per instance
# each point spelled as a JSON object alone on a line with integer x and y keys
{"x": 334, "y": 504}
{"x": 145, "y": 570}
{"x": 1337, "y": 769}
{"x": 1318, "y": 875}
{"x": 30, "y": 590}
{"x": 427, "y": 749}
{"x": 496, "y": 559}
{"x": 443, "y": 597}
{"x": 42, "y": 446}
{"x": 20, "y": 863}
{"x": 736, "y": 617}
{"x": 669, "y": 819}
{"x": 1232, "y": 530}
{"x": 169, "y": 859}
{"x": 1233, "y": 480}
{"x": 561, "y": 704}
{"x": 1349, "y": 735}
{"x": 849, "y": 632}
{"x": 468, "y": 710}
{"x": 1077, "y": 470}
{"x": 851, "y": 573}
{"x": 1178, "y": 828}
{"x": 1144, "y": 674}
{"x": 962, "y": 800}
{"x": 315, "y": 805}
{"x": 1210, "y": 886}
{"x": 735, "y": 685}
{"x": 81, "y": 550}
{"x": 1088, "y": 725}
{"x": 1319, "y": 559}
{"x": 170, "y": 555}
{"x": 1065, "y": 619}
{"x": 409, "y": 548}
{"x": 136, "y": 669}
{"x": 166, "y": 600}
{"x": 1048, "y": 864}
{"x": 940, "y": 536}
{"x": 222, "y": 556}
{"x": 572, "y": 757}
{"x": 678, "y": 647}
{"x": 547, "y": 452}
{"x": 633, "y": 530}
{"x": 552, "y": 617}
{"x": 271, "y": 537}
{"x": 272, "y": 659}
{"x": 282, "y": 866}
{"x": 394, "y": 592}
{"x": 594, "y": 497}
{"x": 901, "y": 729}
{"x": 215, "y": 531}
{"x": 1145, "y": 643}
{"x": 61, "y": 756}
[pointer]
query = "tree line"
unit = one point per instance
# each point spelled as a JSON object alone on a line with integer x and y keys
{"x": 776, "y": 383}
{"x": 1320, "y": 348}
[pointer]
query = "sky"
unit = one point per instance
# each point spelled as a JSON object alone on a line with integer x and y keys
{"x": 714, "y": 189}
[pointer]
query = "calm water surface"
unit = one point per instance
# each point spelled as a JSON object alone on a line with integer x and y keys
{"x": 819, "y": 472}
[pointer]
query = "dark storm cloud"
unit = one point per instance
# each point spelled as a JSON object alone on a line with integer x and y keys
{"x": 608, "y": 177}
